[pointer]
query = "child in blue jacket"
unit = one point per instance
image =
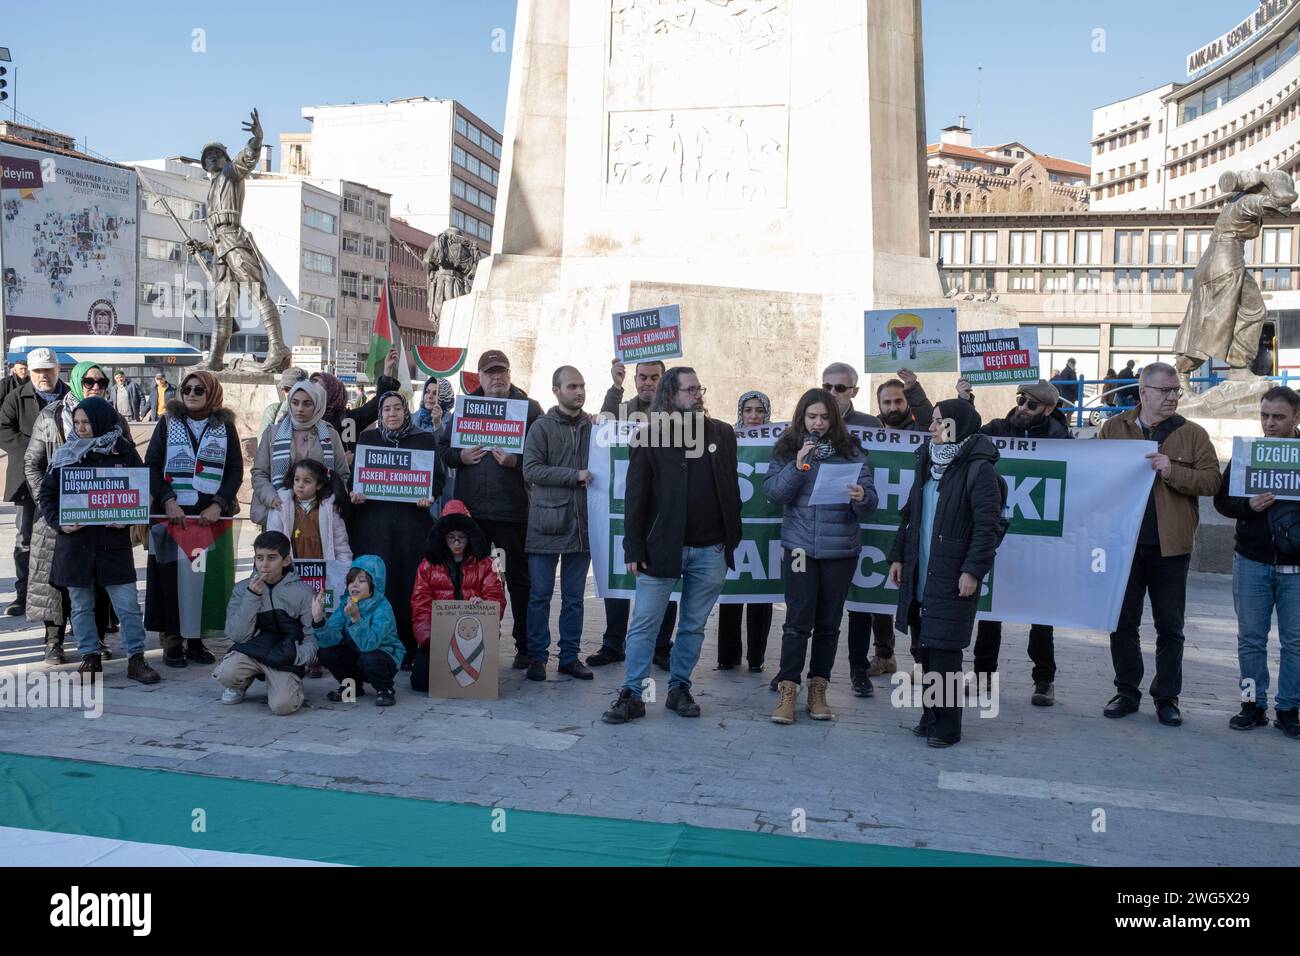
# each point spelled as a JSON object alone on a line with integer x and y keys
{"x": 359, "y": 642}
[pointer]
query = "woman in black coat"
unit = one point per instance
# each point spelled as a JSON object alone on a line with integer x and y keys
{"x": 395, "y": 530}
{"x": 945, "y": 546}
{"x": 87, "y": 557}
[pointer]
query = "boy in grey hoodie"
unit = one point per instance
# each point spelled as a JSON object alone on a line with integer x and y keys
{"x": 269, "y": 620}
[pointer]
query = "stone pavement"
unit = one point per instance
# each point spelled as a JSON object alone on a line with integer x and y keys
{"x": 1026, "y": 783}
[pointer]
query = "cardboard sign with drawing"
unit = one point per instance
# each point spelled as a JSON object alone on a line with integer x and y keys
{"x": 463, "y": 640}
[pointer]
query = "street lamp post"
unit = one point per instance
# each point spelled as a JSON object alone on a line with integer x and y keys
{"x": 284, "y": 303}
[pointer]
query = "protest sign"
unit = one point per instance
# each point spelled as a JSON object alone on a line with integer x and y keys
{"x": 648, "y": 335}
{"x": 329, "y": 577}
{"x": 490, "y": 422}
{"x": 1066, "y": 527}
{"x": 103, "y": 495}
{"x": 463, "y": 642}
{"x": 924, "y": 340}
{"x": 999, "y": 356}
{"x": 1260, "y": 465}
{"x": 394, "y": 474}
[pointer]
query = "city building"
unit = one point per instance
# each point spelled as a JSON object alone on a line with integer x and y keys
{"x": 1008, "y": 177}
{"x": 438, "y": 161}
{"x": 410, "y": 283}
{"x": 364, "y": 252}
{"x": 1104, "y": 288}
{"x": 1238, "y": 109}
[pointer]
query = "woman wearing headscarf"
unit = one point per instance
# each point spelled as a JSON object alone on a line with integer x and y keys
{"x": 946, "y": 542}
{"x": 351, "y": 422}
{"x": 196, "y": 466}
{"x": 436, "y": 399}
{"x": 88, "y": 557}
{"x": 46, "y": 602}
{"x": 396, "y": 530}
{"x": 302, "y": 433}
{"x": 753, "y": 408}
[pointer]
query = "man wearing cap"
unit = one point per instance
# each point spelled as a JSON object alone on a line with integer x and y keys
{"x": 1035, "y": 416}
{"x": 277, "y": 410}
{"x": 237, "y": 266}
{"x": 16, "y": 378}
{"x": 491, "y": 484}
{"x": 17, "y": 416}
{"x": 160, "y": 394}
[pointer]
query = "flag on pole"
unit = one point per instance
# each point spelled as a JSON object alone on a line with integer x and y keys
{"x": 387, "y": 337}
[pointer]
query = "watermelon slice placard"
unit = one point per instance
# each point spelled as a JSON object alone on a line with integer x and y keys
{"x": 469, "y": 382}
{"x": 438, "y": 361}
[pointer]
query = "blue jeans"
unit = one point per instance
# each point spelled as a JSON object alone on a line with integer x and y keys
{"x": 1256, "y": 590}
{"x": 127, "y": 606}
{"x": 573, "y": 582}
{"x": 703, "y": 572}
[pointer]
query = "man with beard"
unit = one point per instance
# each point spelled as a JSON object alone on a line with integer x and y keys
{"x": 1035, "y": 416}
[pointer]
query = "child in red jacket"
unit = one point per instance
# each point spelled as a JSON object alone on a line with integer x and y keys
{"x": 457, "y": 566}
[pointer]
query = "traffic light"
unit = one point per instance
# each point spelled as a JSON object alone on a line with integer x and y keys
{"x": 3, "y": 83}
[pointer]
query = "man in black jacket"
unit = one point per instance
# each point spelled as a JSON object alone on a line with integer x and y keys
{"x": 1035, "y": 416}
{"x": 617, "y": 610}
{"x": 1265, "y": 577}
{"x": 491, "y": 483}
{"x": 17, "y": 416}
{"x": 681, "y": 521}
{"x": 16, "y": 379}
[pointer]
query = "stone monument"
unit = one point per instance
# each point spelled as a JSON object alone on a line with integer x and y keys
{"x": 757, "y": 162}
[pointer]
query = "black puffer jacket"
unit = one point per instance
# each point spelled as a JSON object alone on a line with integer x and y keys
{"x": 963, "y": 540}
{"x": 95, "y": 556}
{"x": 1254, "y": 538}
{"x": 492, "y": 492}
{"x": 1055, "y": 425}
{"x": 17, "y": 419}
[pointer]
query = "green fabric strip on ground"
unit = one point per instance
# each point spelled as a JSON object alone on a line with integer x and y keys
{"x": 361, "y": 829}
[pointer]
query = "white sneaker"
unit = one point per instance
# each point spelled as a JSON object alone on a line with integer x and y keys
{"x": 232, "y": 695}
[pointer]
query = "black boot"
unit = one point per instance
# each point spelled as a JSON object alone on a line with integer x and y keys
{"x": 196, "y": 652}
{"x": 174, "y": 654}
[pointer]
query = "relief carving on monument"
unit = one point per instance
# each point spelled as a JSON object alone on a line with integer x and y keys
{"x": 723, "y": 157}
{"x": 735, "y": 25}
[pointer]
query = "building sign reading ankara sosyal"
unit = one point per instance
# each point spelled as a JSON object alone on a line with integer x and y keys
{"x": 1240, "y": 35}
{"x": 483, "y": 422}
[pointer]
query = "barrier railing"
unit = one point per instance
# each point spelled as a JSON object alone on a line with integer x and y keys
{"x": 1086, "y": 407}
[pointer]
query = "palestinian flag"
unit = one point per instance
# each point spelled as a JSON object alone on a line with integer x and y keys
{"x": 202, "y": 561}
{"x": 386, "y": 337}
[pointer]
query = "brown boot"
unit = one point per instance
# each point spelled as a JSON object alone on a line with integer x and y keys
{"x": 787, "y": 690}
{"x": 818, "y": 709}
{"x": 137, "y": 668}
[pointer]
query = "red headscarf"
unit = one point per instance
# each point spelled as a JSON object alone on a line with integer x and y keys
{"x": 336, "y": 394}
{"x": 213, "y": 394}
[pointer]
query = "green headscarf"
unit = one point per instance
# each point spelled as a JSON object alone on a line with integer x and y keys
{"x": 79, "y": 372}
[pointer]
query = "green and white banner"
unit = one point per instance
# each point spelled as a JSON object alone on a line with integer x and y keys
{"x": 1075, "y": 508}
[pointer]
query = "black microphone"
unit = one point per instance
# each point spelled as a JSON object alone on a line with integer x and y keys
{"x": 813, "y": 436}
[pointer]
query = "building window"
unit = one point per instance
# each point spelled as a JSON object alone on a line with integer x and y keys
{"x": 1162, "y": 246}
{"x": 382, "y": 213}
{"x": 1277, "y": 246}
{"x": 471, "y": 195}
{"x": 1162, "y": 280}
{"x": 317, "y": 262}
{"x": 370, "y": 210}
{"x": 983, "y": 280}
{"x": 496, "y": 151}
{"x": 1128, "y": 280}
{"x": 1023, "y": 247}
{"x": 1194, "y": 243}
{"x": 1276, "y": 279}
{"x": 1087, "y": 247}
{"x": 955, "y": 279}
{"x": 154, "y": 293}
{"x": 163, "y": 249}
{"x": 458, "y": 219}
{"x": 319, "y": 219}
{"x": 1087, "y": 280}
{"x": 983, "y": 248}
{"x": 952, "y": 247}
{"x": 381, "y": 251}
{"x": 472, "y": 135}
{"x": 352, "y": 203}
{"x": 486, "y": 203}
{"x": 1128, "y": 246}
{"x": 473, "y": 165}
{"x": 349, "y": 284}
{"x": 1021, "y": 280}
{"x": 458, "y": 156}
{"x": 1056, "y": 247}
{"x": 320, "y": 304}
{"x": 462, "y": 127}
{"x": 367, "y": 287}
{"x": 368, "y": 247}
{"x": 1055, "y": 280}
{"x": 457, "y": 188}
{"x": 184, "y": 208}
{"x": 485, "y": 232}
{"x": 351, "y": 242}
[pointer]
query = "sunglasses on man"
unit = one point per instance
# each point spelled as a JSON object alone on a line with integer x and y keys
{"x": 840, "y": 389}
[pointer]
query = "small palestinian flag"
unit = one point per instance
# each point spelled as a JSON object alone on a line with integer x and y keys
{"x": 204, "y": 563}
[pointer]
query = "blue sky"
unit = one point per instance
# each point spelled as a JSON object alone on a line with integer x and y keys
{"x": 123, "y": 76}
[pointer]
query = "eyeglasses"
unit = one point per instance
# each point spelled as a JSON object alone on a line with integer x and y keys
{"x": 194, "y": 390}
{"x": 841, "y": 389}
{"x": 1165, "y": 392}
{"x": 1030, "y": 403}
{"x": 93, "y": 382}
{"x": 457, "y": 538}
{"x": 695, "y": 390}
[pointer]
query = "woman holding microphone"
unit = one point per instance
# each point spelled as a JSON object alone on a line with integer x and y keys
{"x": 821, "y": 541}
